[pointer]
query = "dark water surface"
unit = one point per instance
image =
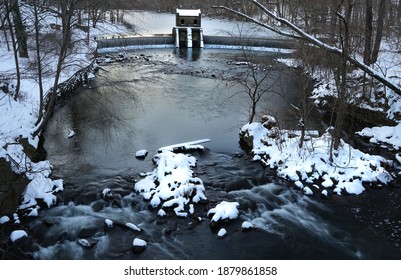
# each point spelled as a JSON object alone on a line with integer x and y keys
{"x": 164, "y": 97}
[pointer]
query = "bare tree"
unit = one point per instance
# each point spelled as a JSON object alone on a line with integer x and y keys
{"x": 299, "y": 33}
{"x": 341, "y": 76}
{"x": 39, "y": 65}
{"x": 8, "y": 8}
{"x": 66, "y": 13}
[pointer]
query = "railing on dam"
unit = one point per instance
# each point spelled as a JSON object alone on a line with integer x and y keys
{"x": 168, "y": 41}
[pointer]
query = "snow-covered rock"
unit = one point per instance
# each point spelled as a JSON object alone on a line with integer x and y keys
{"x": 246, "y": 226}
{"x": 4, "y": 219}
{"x": 106, "y": 193}
{"x": 17, "y": 235}
{"x": 71, "y": 133}
{"x": 172, "y": 184}
{"x": 87, "y": 243}
{"x": 109, "y": 223}
{"x": 307, "y": 191}
{"x": 161, "y": 213}
{"x": 222, "y": 232}
{"x": 141, "y": 154}
{"x": 224, "y": 211}
{"x": 16, "y": 218}
{"x": 139, "y": 245}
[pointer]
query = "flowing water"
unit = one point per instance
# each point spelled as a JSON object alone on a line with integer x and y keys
{"x": 162, "y": 97}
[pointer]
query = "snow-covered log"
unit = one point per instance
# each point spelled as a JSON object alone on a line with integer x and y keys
{"x": 185, "y": 146}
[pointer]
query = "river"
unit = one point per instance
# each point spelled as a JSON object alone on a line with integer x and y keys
{"x": 166, "y": 96}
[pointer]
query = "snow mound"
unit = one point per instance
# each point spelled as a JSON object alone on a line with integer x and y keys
{"x": 224, "y": 210}
{"x": 390, "y": 135}
{"x": 172, "y": 183}
{"x": 349, "y": 171}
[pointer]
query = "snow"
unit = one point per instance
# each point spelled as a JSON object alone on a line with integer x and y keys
{"x": 139, "y": 243}
{"x": 17, "y": 235}
{"x": 4, "y": 220}
{"x": 83, "y": 242}
{"x": 390, "y": 135}
{"x": 222, "y": 232}
{"x": 132, "y": 226}
{"x": 246, "y": 225}
{"x": 188, "y": 13}
{"x": 172, "y": 183}
{"x": 16, "y": 218}
{"x": 71, "y": 133}
{"x": 161, "y": 213}
{"x": 141, "y": 153}
{"x": 224, "y": 210}
{"x": 109, "y": 223}
{"x": 107, "y": 193}
{"x": 350, "y": 168}
{"x": 307, "y": 191}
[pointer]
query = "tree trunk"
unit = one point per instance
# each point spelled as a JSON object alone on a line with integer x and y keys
{"x": 14, "y": 43}
{"x": 367, "y": 53}
{"x": 379, "y": 31}
{"x": 341, "y": 109}
{"x": 253, "y": 111}
{"x": 20, "y": 33}
{"x": 39, "y": 61}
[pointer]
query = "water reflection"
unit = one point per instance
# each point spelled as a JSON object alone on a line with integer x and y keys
{"x": 190, "y": 54}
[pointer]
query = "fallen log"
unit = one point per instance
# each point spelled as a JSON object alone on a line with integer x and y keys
{"x": 192, "y": 145}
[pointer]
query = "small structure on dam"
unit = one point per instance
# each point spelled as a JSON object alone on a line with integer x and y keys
{"x": 188, "y": 28}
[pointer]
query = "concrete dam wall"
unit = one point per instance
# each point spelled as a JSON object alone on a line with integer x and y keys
{"x": 104, "y": 44}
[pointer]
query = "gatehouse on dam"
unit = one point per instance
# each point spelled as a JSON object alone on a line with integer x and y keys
{"x": 187, "y": 33}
